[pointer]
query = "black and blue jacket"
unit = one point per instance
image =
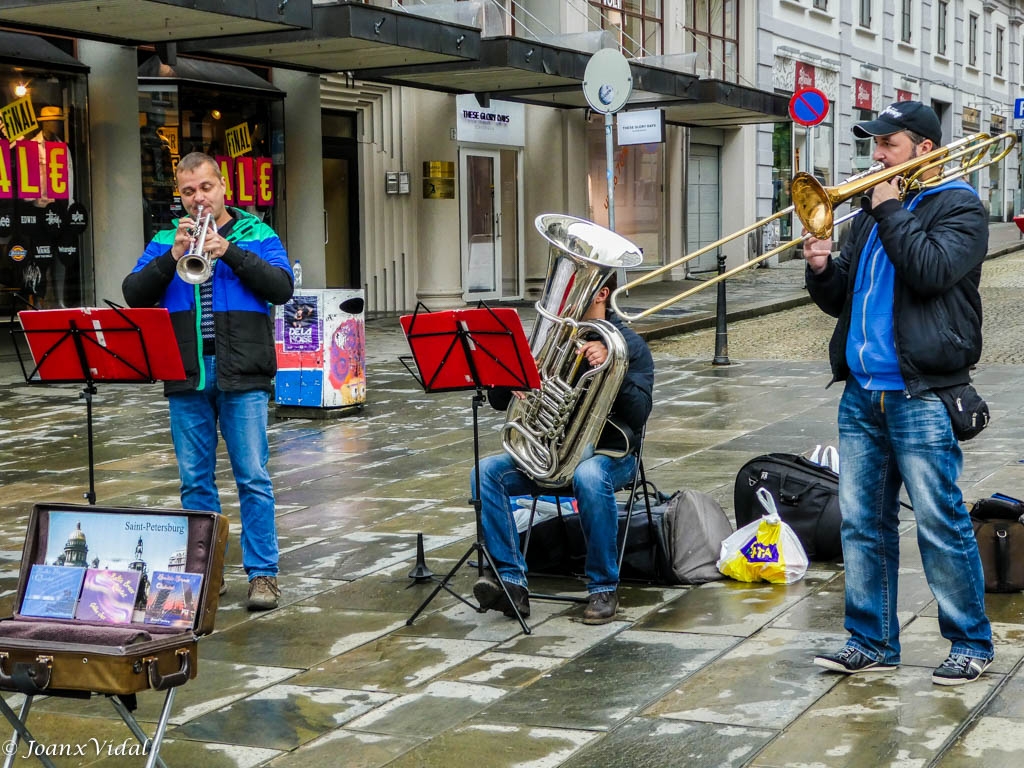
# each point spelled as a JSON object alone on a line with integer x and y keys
{"x": 252, "y": 275}
{"x": 937, "y": 246}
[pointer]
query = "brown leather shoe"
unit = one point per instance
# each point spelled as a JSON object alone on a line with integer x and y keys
{"x": 601, "y": 607}
{"x": 263, "y": 593}
{"x": 490, "y": 595}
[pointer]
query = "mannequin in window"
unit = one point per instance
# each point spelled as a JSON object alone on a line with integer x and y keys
{"x": 51, "y": 128}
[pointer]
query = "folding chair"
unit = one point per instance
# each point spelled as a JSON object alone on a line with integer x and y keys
{"x": 637, "y": 483}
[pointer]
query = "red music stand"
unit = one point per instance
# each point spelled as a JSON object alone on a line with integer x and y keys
{"x": 89, "y": 345}
{"x": 469, "y": 349}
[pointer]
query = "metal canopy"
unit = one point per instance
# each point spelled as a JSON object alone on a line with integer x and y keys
{"x": 157, "y": 21}
{"x": 348, "y": 37}
{"x": 539, "y": 73}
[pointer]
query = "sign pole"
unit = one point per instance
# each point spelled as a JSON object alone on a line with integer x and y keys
{"x": 610, "y": 172}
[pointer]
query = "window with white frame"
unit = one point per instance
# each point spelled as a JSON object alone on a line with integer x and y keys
{"x": 906, "y": 17}
{"x": 865, "y": 13}
{"x": 941, "y": 25}
{"x": 821, "y": 5}
{"x": 972, "y": 40}
{"x": 1000, "y": 47}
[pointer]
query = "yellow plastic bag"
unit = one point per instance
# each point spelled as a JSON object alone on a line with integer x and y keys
{"x": 764, "y": 549}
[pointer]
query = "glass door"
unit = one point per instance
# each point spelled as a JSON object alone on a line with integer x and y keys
{"x": 481, "y": 224}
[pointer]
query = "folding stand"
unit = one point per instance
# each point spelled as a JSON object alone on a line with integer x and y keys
{"x": 21, "y": 731}
{"x": 462, "y": 350}
{"x": 92, "y": 345}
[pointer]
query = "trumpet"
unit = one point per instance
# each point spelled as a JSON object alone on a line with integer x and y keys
{"x": 815, "y": 204}
{"x": 196, "y": 266}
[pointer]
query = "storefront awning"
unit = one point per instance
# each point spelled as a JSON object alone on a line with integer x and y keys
{"x": 208, "y": 74}
{"x": 523, "y": 70}
{"x": 157, "y": 21}
{"x": 348, "y": 37}
{"x": 33, "y": 51}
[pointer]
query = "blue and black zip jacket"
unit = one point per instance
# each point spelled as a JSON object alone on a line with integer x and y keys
{"x": 252, "y": 275}
{"x": 936, "y": 245}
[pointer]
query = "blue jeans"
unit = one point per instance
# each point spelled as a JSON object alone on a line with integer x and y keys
{"x": 594, "y": 484}
{"x": 243, "y": 423}
{"x": 887, "y": 439}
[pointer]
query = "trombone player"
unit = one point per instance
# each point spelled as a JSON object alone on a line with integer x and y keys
{"x": 904, "y": 290}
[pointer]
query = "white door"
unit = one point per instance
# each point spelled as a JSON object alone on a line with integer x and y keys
{"x": 492, "y": 233}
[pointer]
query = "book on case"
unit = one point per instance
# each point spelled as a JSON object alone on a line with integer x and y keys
{"x": 108, "y": 596}
{"x": 173, "y": 598}
{"x": 52, "y": 591}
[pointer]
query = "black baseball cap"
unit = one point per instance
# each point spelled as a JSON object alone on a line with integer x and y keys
{"x": 902, "y": 116}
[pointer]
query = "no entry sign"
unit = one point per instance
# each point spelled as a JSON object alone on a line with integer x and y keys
{"x": 808, "y": 106}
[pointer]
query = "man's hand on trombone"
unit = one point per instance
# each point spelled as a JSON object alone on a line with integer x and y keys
{"x": 816, "y": 253}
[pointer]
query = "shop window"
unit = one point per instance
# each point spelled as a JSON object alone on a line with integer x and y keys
{"x": 639, "y": 175}
{"x": 782, "y": 175}
{"x": 243, "y": 130}
{"x": 863, "y": 149}
{"x": 45, "y": 259}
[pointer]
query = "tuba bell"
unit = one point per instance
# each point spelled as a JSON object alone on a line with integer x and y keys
{"x": 550, "y": 430}
{"x": 196, "y": 266}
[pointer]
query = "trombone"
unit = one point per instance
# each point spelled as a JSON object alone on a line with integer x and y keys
{"x": 815, "y": 204}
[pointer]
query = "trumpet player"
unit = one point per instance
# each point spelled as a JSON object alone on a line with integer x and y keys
{"x": 905, "y": 292}
{"x": 594, "y": 483}
{"x": 223, "y": 329}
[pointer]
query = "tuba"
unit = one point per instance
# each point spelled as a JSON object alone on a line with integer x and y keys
{"x": 195, "y": 267}
{"x": 548, "y": 432}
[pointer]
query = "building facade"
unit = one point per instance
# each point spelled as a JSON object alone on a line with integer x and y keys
{"x": 406, "y": 148}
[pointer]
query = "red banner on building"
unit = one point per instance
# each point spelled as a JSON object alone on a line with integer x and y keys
{"x": 804, "y": 76}
{"x": 29, "y": 165}
{"x": 245, "y": 191}
{"x": 58, "y": 172}
{"x": 264, "y": 182}
{"x": 6, "y": 174}
{"x": 863, "y": 91}
{"x": 904, "y": 95}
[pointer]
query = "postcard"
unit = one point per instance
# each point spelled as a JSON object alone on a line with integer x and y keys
{"x": 173, "y": 598}
{"x": 108, "y": 596}
{"x": 52, "y": 591}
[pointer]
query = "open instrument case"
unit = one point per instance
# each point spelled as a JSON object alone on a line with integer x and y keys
{"x": 75, "y": 657}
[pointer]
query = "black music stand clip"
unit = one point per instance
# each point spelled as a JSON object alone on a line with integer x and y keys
{"x": 88, "y": 346}
{"x": 460, "y": 350}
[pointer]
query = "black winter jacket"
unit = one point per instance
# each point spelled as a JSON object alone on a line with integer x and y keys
{"x": 937, "y": 251}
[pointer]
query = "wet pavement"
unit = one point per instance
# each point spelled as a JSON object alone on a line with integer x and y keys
{"x": 718, "y": 674}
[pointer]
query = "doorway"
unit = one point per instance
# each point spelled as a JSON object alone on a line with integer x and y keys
{"x": 341, "y": 202}
{"x": 704, "y": 201}
{"x": 490, "y": 192}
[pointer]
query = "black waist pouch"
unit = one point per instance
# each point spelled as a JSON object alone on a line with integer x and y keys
{"x": 968, "y": 411}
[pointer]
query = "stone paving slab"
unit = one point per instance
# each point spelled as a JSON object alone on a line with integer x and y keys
{"x": 716, "y": 674}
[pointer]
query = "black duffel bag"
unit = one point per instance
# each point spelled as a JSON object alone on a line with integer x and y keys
{"x": 806, "y": 496}
{"x": 558, "y": 548}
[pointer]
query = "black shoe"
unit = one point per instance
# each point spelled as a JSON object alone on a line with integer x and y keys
{"x": 601, "y": 607}
{"x": 958, "y": 669}
{"x": 850, "y": 661}
{"x": 491, "y": 596}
